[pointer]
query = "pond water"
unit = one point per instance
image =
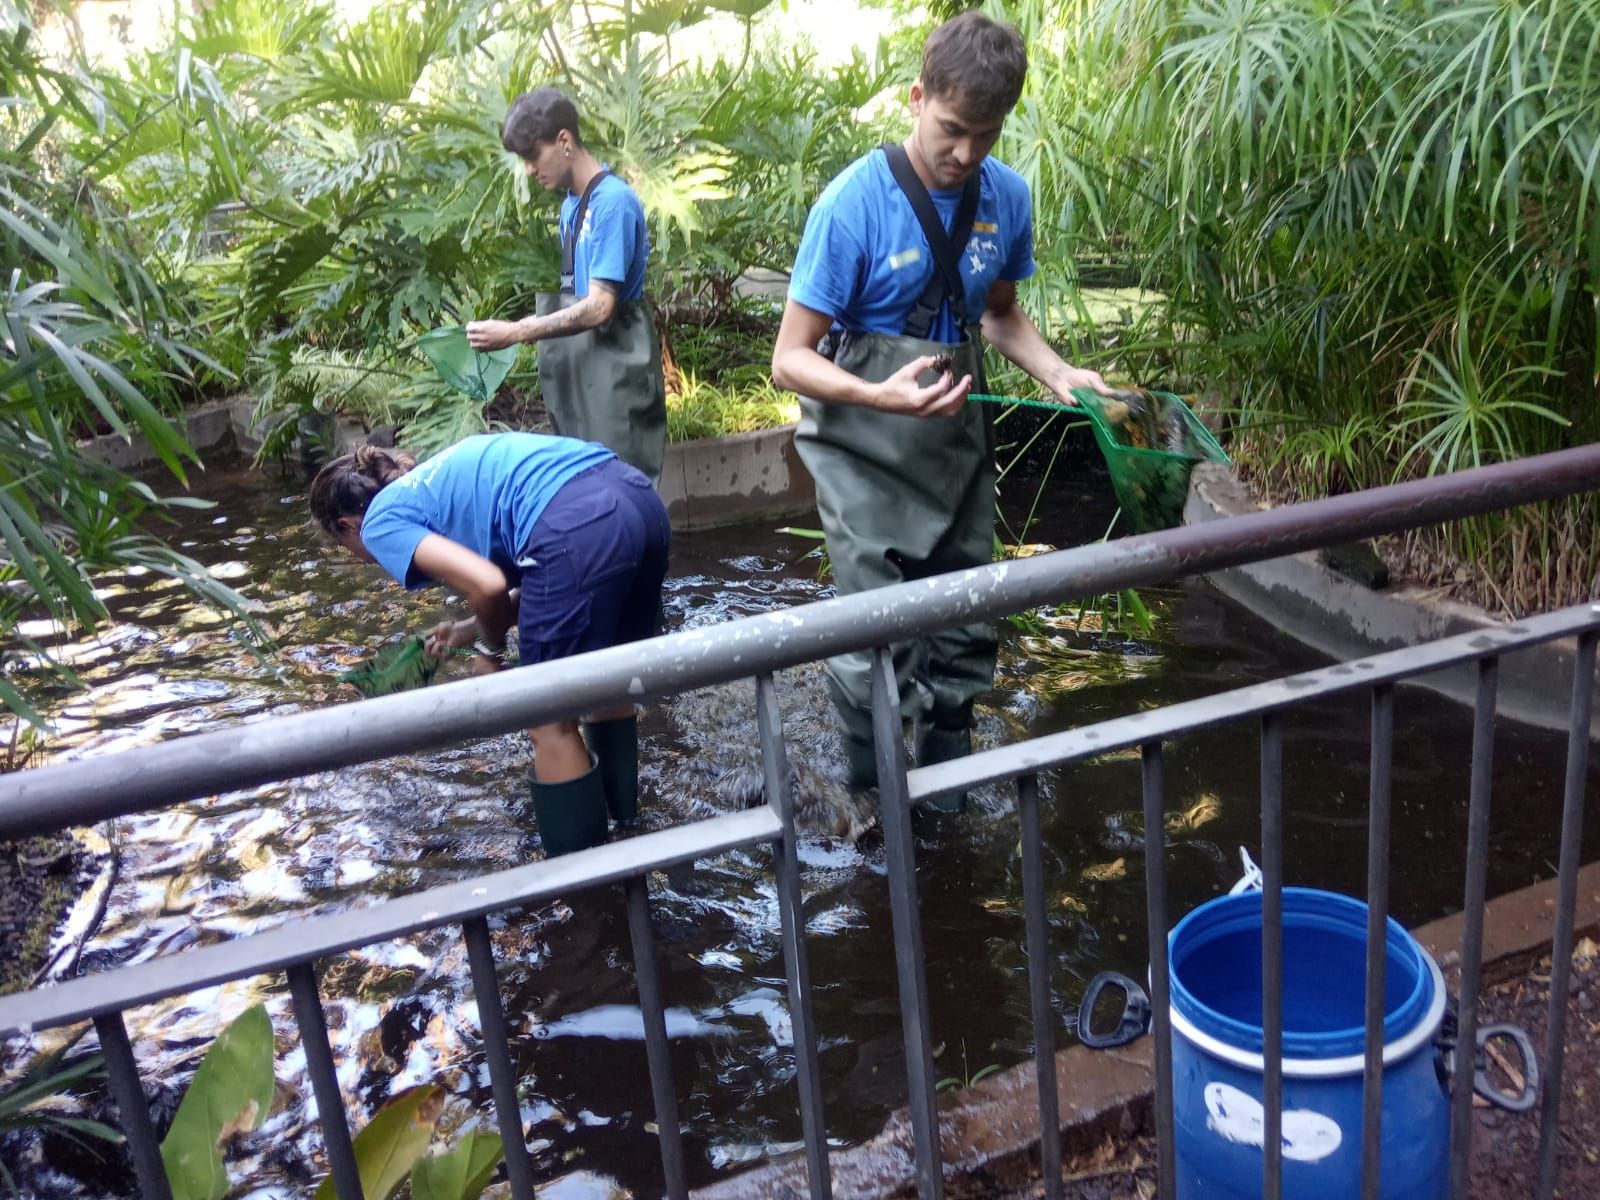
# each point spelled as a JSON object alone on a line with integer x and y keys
{"x": 402, "y": 1014}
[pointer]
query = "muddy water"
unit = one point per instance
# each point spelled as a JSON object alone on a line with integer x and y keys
{"x": 402, "y": 1014}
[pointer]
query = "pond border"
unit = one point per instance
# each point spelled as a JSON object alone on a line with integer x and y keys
{"x": 706, "y": 483}
{"x": 1343, "y": 619}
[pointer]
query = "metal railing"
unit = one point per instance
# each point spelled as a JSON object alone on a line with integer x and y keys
{"x": 94, "y": 789}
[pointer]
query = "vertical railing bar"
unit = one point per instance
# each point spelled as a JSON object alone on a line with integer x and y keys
{"x": 1380, "y": 774}
{"x": 324, "y": 1081}
{"x": 791, "y": 913}
{"x": 894, "y": 806}
{"x": 657, "y": 1049}
{"x": 1472, "y": 908}
{"x": 1566, "y": 904}
{"x": 497, "y": 1052}
{"x": 133, "y": 1110}
{"x": 1044, "y": 1017}
{"x": 1155, "y": 866}
{"x": 1272, "y": 955}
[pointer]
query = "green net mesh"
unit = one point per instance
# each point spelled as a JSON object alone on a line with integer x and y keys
{"x": 477, "y": 373}
{"x": 1151, "y": 441}
{"x": 398, "y": 667}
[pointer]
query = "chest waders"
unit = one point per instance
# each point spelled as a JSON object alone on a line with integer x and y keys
{"x": 605, "y": 385}
{"x": 902, "y": 498}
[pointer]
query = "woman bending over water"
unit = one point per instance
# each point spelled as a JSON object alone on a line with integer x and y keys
{"x": 557, "y": 535}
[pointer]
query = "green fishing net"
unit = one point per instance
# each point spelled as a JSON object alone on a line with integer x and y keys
{"x": 477, "y": 373}
{"x": 398, "y": 667}
{"x": 1151, "y": 441}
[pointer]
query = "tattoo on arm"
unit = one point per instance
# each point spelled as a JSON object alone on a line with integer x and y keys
{"x": 592, "y": 311}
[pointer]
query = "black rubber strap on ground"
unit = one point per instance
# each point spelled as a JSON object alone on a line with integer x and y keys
{"x": 946, "y": 247}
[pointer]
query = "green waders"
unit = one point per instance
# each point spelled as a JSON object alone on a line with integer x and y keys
{"x": 571, "y": 815}
{"x": 903, "y": 498}
{"x": 605, "y": 385}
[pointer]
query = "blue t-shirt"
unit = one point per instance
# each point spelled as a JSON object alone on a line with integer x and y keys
{"x": 485, "y": 493}
{"x": 614, "y": 241}
{"x": 863, "y": 259}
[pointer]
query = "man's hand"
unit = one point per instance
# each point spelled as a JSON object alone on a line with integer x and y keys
{"x": 494, "y": 335}
{"x": 900, "y": 393}
{"x": 1079, "y": 377}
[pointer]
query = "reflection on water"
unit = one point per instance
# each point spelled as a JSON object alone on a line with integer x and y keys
{"x": 403, "y": 1014}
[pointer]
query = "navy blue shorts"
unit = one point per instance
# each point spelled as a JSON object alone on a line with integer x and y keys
{"x": 593, "y": 566}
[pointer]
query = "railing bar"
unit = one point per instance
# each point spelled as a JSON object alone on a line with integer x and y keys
{"x": 1155, "y": 866}
{"x": 1005, "y": 763}
{"x": 791, "y": 913}
{"x": 1272, "y": 955}
{"x": 1472, "y": 908}
{"x": 497, "y": 1052}
{"x": 1380, "y": 775}
{"x": 247, "y": 755}
{"x": 391, "y": 919}
{"x": 324, "y": 1081}
{"x": 133, "y": 1109}
{"x": 658, "y": 1051}
{"x": 900, "y": 853}
{"x": 1039, "y": 990}
{"x": 1566, "y": 904}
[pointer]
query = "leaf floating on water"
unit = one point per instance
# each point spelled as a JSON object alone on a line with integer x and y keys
{"x": 1072, "y": 904}
{"x": 1203, "y": 811}
{"x": 1586, "y": 950}
{"x": 1106, "y": 872}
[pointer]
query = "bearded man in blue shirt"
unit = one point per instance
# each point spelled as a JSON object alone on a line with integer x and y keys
{"x": 909, "y": 261}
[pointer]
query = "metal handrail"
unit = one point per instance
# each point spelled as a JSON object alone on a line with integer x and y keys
{"x": 94, "y": 789}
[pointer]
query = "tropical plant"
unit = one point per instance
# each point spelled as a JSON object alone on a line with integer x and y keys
{"x": 26, "y": 1104}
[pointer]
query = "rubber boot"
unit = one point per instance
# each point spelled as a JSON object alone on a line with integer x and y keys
{"x": 860, "y": 762}
{"x": 615, "y": 746}
{"x": 937, "y": 744}
{"x": 571, "y": 815}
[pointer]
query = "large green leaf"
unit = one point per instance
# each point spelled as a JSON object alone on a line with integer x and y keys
{"x": 462, "y": 1172}
{"x": 393, "y": 1141}
{"x": 230, "y": 1094}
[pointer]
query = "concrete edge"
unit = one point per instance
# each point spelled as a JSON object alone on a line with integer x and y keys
{"x": 1344, "y": 619}
{"x": 989, "y": 1133}
{"x": 706, "y": 483}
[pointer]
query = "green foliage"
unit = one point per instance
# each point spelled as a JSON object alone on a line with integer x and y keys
{"x": 25, "y": 1103}
{"x": 231, "y": 1093}
{"x": 393, "y": 1142}
{"x": 461, "y": 1173}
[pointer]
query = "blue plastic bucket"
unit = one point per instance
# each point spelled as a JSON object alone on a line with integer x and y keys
{"x": 1215, "y": 955}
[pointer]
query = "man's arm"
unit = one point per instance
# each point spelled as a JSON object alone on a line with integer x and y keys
{"x": 591, "y": 312}
{"x": 1009, "y": 330}
{"x": 797, "y": 366}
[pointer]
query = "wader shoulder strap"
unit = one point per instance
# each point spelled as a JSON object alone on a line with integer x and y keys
{"x": 945, "y": 282}
{"x": 569, "y": 242}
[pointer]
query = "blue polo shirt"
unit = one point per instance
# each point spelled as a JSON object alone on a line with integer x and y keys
{"x": 614, "y": 242}
{"x": 863, "y": 259}
{"x": 485, "y": 493}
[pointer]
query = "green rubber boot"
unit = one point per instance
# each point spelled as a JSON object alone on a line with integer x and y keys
{"x": 936, "y": 744}
{"x": 571, "y": 815}
{"x": 615, "y": 746}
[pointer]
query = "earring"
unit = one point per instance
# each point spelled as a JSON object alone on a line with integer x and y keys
{"x": 567, "y": 150}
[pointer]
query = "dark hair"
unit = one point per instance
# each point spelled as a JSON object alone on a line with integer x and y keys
{"x": 535, "y": 118}
{"x": 347, "y": 485}
{"x": 976, "y": 64}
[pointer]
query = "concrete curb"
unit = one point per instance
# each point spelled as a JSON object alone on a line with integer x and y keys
{"x": 735, "y": 480}
{"x": 1344, "y": 620}
{"x": 989, "y": 1133}
{"x": 706, "y": 483}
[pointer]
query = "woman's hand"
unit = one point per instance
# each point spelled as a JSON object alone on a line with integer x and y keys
{"x": 450, "y": 634}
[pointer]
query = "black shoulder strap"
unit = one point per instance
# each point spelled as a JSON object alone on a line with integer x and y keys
{"x": 569, "y": 243}
{"x": 945, "y": 282}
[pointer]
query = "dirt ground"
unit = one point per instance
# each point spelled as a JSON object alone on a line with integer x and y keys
{"x": 1505, "y": 1145}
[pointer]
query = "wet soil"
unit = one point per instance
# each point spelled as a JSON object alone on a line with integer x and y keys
{"x": 40, "y": 877}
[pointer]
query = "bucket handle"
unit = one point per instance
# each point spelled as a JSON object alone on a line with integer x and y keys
{"x": 1481, "y": 1083}
{"x": 1133, "y": 1023}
